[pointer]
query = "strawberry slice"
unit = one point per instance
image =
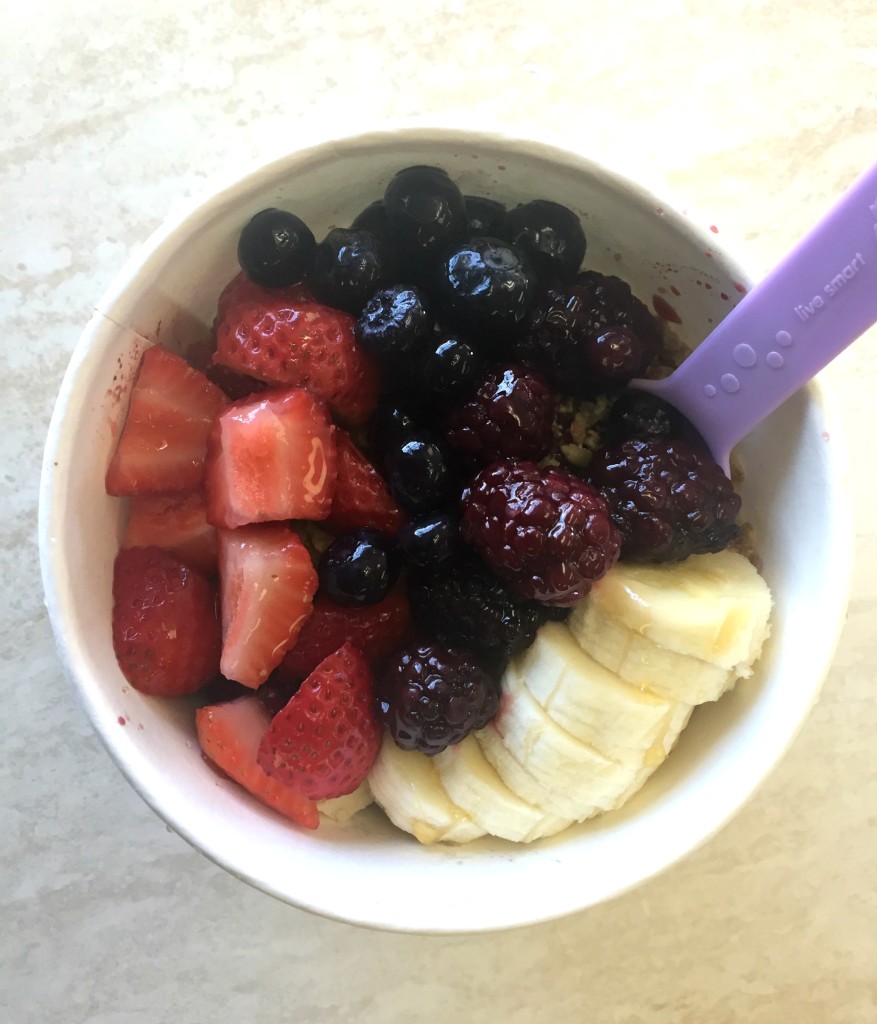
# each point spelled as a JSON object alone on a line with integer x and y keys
{"x": 271, "y": 457}
{"x": 283, "y": 337}
{"x": 324, "y": 742}
{"x": 163, "y": 442}
{"x": 166, "y": 632}
{"x": 175, "y": 522}
{"x": 229, "y": 735}
{"x": 267, "y": 584}
{"x": 374, "y": 629}
{"x": 362, "y": 497}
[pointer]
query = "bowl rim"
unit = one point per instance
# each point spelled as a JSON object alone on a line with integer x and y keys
{"x": 51, "y": 511}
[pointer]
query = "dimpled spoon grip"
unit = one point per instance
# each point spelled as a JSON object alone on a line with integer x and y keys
{"x": 804, "y": 313}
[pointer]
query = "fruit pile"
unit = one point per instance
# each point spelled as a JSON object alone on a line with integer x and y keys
{"x": 354, "y": 526}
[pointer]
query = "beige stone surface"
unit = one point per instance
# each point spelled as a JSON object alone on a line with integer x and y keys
{"x": 113, "y": 115}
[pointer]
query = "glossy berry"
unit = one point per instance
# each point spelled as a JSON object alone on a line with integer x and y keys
{"x": 486, "y": 288}
{"x": 545, "y": 532}
{"x": 394, "y": 327}
{"x": 373, "y": 218}
{"x": 359, "y": 567}
{"x": 274, "y": 248}
{"x": 418, "y": 472}
{"x": 613, "y": 356}
{"x": 449, "y": 369}
{"x": 429, "y": 539}
{"x": 486, "y": 216}
{"x": 639, "y": 414}
{"x": 550, "y": 234}
{"x": 349, "y": 266}
{"x": 426, "y": 213}
{"x": 430, "y": 696}
{"x": 668, "y": 498}
{"x": 508, "y": 417}
{"x": 463, "y": 602}
{"x": 569, "y": 328}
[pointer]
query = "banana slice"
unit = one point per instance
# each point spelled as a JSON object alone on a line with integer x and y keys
{"x": 341, "y": 809}
{"x": 475, "y": 787}
{"x": 711, "y": 607}
{"x": 591, "y": 703}
{"x": 642, "y": 663}
{"x": 406, "y": 784}
{"x": 552, "y": 756}
{"x": 520, "y": 781}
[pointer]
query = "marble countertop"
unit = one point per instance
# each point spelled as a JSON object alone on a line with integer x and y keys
{"x": 114, "y": 115}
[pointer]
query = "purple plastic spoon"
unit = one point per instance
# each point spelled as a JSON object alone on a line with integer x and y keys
{"x": 805, "y": 312}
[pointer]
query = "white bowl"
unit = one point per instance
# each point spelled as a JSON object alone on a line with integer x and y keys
{"x": 795, "y": 493}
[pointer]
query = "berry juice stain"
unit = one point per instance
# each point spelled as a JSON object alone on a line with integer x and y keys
{"x": 675, "y": 290}
{"x": 664, "y": 310}
{"x": 740, "y": 288}
{"x": 714, "y": 229}
{"x": 725, "y": 297}
{"x": 122, "y": 720}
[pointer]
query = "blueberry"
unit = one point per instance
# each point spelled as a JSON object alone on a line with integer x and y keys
{"x": 359, "y": 567}
{"x": 638, "y": 414}
{"x": 394, "y": 327}
{"x": 449, "y": 369}
{"x": 426, "y": 213}
{"x": 373, "y": 218}
{"x": 550, "y": 234}
{"x": 429, "y": 539}
{"x": 274, "y": 248}
{"x": 486, "y": 287}
{"x": 486, "y": 216}
{"x": 349, "y": 266}
{"x": 418, "y": 472}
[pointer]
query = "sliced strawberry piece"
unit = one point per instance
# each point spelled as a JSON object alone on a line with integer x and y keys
{"x": 374, "y": 629}
{"x": 271, "y": 457}
{"x": 175, "y": 522}
{"x": 267, "y": 585}
{"x": 280, "y": 336}
{"x": 229, "y": 735}
{"x": 324, "y": 742}
{"x": 166, "y": 631}
{"x": 163, "y": 442}
{"x": 362, "y": 497}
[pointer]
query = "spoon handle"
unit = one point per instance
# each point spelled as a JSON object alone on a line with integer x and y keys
{"x": 804, "y": 313}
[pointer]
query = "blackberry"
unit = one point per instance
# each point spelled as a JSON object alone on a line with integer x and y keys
{"x": 394, "y": 326}
{"x": 349, "y": 266}
{"x": 668, "y": 498}
{"x": 486, "y": 288}
{"x": 569, "y": 327}
{"x": 545, "y": 532}
{"x": 359, "y": 567}
{"x": 426, "y": 213}
{"x": 639, "y": 414}
{"x": 430, "y": 696}
{"x": 486, "y": 216}
{"x": 462, "y": 602}
{"x": 550, "y": 234}
{"x": 508, "y": 417}
{"x": 274, "y": 248}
